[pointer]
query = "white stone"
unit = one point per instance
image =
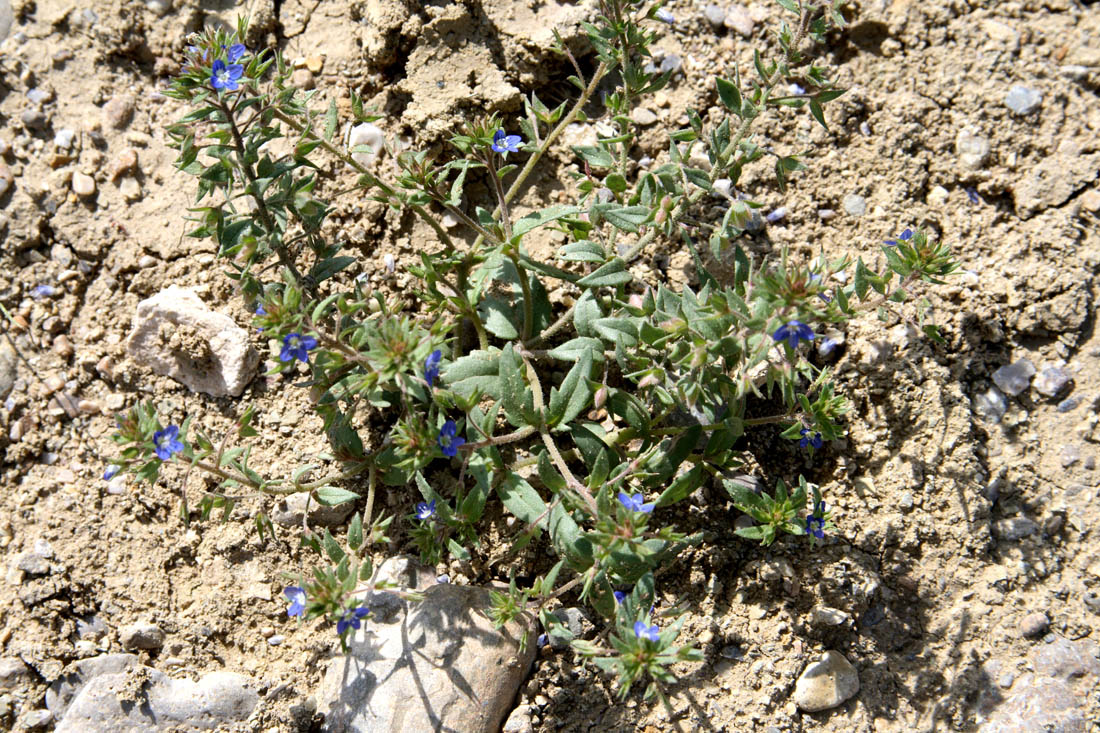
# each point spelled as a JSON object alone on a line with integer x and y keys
{"x": 434, "y": 665}
{"x": 288, "y": 512}
{"x": 826, "y": 683}
{"x": 738, "y": 19}
{"x": 366, "y": 134}
{"x": 643, "y": 116}
{"x": 972, "y": 148}
{"x": 938, "y": 196}
{"x": 83, "y": 184}
{"x": 177, "y": 335}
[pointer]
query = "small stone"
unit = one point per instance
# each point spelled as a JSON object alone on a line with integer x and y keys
{"x": 1090, "y": 200}
{"x": 276, "y": 639}
{"x": 159, "y": 7}
{"x": 577, "y": 623}
{"x": 1070, "y": 455}
{"x": 130, "y": 189}
{"x": 6, "y": 177}
{"x": 1023, "y": 100}
{"x": 520, "y": 720}
{"x": 1001, "y": 32}
{"x": 1015, "y": 528}
{"x": 671, "y": 63}
{"x": 141, "y": 636}
{"x": 776, "y": 215}
{"x": 35, "y": 719}
{"x": 826, "y": 683}
{"x": 118, "y": 112}
{"x": 175, "y": 334}
{"x": 39, "y": 96}
{"x": 9, "y": 368}
{"x": 1034, "y": 624}
{"x": 938, "y": 196}
{"x": 12, "y": 672}
{"x": 971, "y": 148}
{"x": 1069, "y": 404}
{"x": 33, "y": 563}
{"x": 738, "y": 19}
{"x": 370, "y": 135}
{"x": 1051, "y": 380}
{"x": 302, "y": 79}
{"x": 905, "y": 503}
{"x": 33, "y": 118}
{"x": 825, "y": 214}
{"x": 715, "y": 16}
{"x": 83, "y": 184}
{"x": 824, "y": 616}
{"x": 64, "y": 138}
{"x": 855, "y": 205}
{"x": 126, "y": 162}
{"x": 1014, "y": 378}
{"x": 643, "y": 116}
{"x": 314, "y": 64}
{"x": 288, "y": 512}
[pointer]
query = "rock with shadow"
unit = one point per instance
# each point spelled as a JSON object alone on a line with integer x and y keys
{"x": 437, "y": 665}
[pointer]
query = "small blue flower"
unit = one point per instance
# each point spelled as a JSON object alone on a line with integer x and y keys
{"x": 425, "y": 509}
{"x": 903, "y": 237}
{"x": 620, "y": 596}
{"x": 235, "y": 52}
{"x": 352, "y": 618}
{"x": 297, "y": 346}
{"x": 506, "y": 143}
{"x": 816, "y": 526}
{"x": 431, "y": 367}
{"x": 634, "y": 503}
{"x": 814, "y": 440}
{"x": 260, "y": 310}
{"x": 792, "y": 332}
{"x": 297, "y": 598}
{"x": 225, "y": 77}
{"x": 646, "y": 632}
{"x": 166, "y": 442}
{"x": 448, "y": 441}
{"x": 111, "y": 472}
{"x": 543, "y": 640}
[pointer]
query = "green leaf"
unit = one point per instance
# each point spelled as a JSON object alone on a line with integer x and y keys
{"x": 476, "y": 372}
{"x": 539, "y": 218}
{"x": 513, "y": 386}
{"x": 682, "y": 486}
{"x": 612, "y": 273}
{"x": 617, "y": 330}
{"x": 729, "y": 94}
{"x": 625, "y": 405}
{"x": 522, "y": 500}
{"x": 330, "y": 121}
{"x": 332, "y": 547}
{"x": 574, "y": 348}
{"x": 458, "y": 552}
{"x": 615, "y": 182}
{"x": 499, "y": 317}
{"x": 326, "y": 268}
{"x": 583, "y": 251}
{"x": 332, "y": 496}
{"x": 625, "y": 218}
{"x": 596, "y": 157}
{"x": 549, "y": 475}
{"x": 355, "y": 533}
{"x": 586, "y": 313}
{"x": 816, "y": 111}
{"x": 572, "y": 398}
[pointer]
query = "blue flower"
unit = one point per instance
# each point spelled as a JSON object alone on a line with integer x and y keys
{"x": 448, "y": 441}
{"x": 352, "y": 618}
{"x": 646, "y": 632}
{"x": 903, "y": 237}
{"x": 506, "y": 143}
{"x": 792, "y": 332}
{"x": 111, "y": 472}
{"x": 425, "y": 509}
{"x": 634, "y": 503}
{"x": 807, "y": 439}
{"x": 816, "y": 526}
{"x": 225, "y": 77}
{"x": 235, "y": 52}
{"x": 166, "y": 442}
{"x": 297, "y": 598}
{"x": 431, "y": 366}
{"x": 297, "y": 346}
{"x": 260, "y": 310}
{"x": 620, "y": 596}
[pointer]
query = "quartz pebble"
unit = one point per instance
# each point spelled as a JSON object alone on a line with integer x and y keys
{"x": 971, "y": 148}
{"x": 1023, "y": 100}
{"x": 715, "y": 16}
{"x": 738, "y": 19}
{"x": 826, "y": 683}
{"x": 643, "y": 116}
{"x": 369, "y": 135}
{"x": 302, "y": 79}
{"x": 1051, "y": 380}
{"x": 83, "y": 184}
{"x": 1014, "y": 378}
{"x": 854, "y": 204}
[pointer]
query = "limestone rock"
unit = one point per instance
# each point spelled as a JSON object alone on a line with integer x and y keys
{"x": 141, "y": 636}
{"x": 826, "y": 683}
{"x": 1054, "y": 180}
{"x": 436, "y": 665}
{"x": 176, "y": 335}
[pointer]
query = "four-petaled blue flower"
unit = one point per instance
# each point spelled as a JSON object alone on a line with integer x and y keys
{"x": 448, "y": 441}
{"x": 296, "y": 346}
{"x": 111, "y": 472}
{"x": 225, "y": 77}
{"x": 425, "y": 509}
{"x": 633, "y": 502}
{"x": 166, "y": 442}
{"x": 431, "y": 367}
{"x": 903, "y": 237}
{"x": 814, "y": 440}
{"x": 297, "y": 597}
{"x": 235, "y": 52}
{"x": 506, "y": 143}
{"x": 352, "y": 618}
{"x": 792, "y": 332}
{"x": 620, "y": 596}
{"x": 646, "y": 632}
{"x": 260, "y": 310}
{"x": 816, "y": 527}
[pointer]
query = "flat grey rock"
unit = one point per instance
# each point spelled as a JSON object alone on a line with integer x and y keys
{"x": 437, "y": 665}
{"x": 5, "y": 18}
{"x": 1014, "y": 378}
{"x": 826, "y": 683}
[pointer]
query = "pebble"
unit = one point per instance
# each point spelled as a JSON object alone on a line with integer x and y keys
{"x": 1015, "y": 528}
{"x": 5, "y": 18}
{"x": 971, "y": 148}
{"x": 1070, "y": 455}
{"x": 715, "y": 16}
{"x": 160, "y": 7}
{"x": 370, "y": 135}
{"x": 1023, "y": 100}
{"x": 776, "y": 215}
{"x": 118, "y": 112}
{"x": 854, "y": 204}
{"x": 34, "y": 719}
{"x": 824, "y": 616}
{"x": 671, "y": 63}
{"x": 1034, "y": 624}
{"x": 33, "y": 563}
{"x": 130, "y": 189}
{"x": 723, "y": 187}
{"x": 276, "y": 639}
{"x": 6, "y": 178}
{"x": 64, "y": 138}
{"x": 826, "y": 683}
{"x": 938, "y": 196}
{"x": 83, "y": 184}
{"x": 575, "y": 620}
{"x": 302, "y": 79}
{"x": 126, "y": 161}
{"x": 738, "y": 19}
{"x": 38, "y": 96}
{"x": 1051, "y": 380}
{"x": 33, "y": 118}
{"x": 315, "y": 63}
{"x": 141, "y": 636}
{"x": 643, "y": 116}
{"x": 520, "y": 720}
{"x": 1014, "y": 378}
{"x": 288, "y": 512}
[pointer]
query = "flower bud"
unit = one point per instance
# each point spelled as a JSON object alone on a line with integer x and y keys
{"x": 601, "y": 397}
